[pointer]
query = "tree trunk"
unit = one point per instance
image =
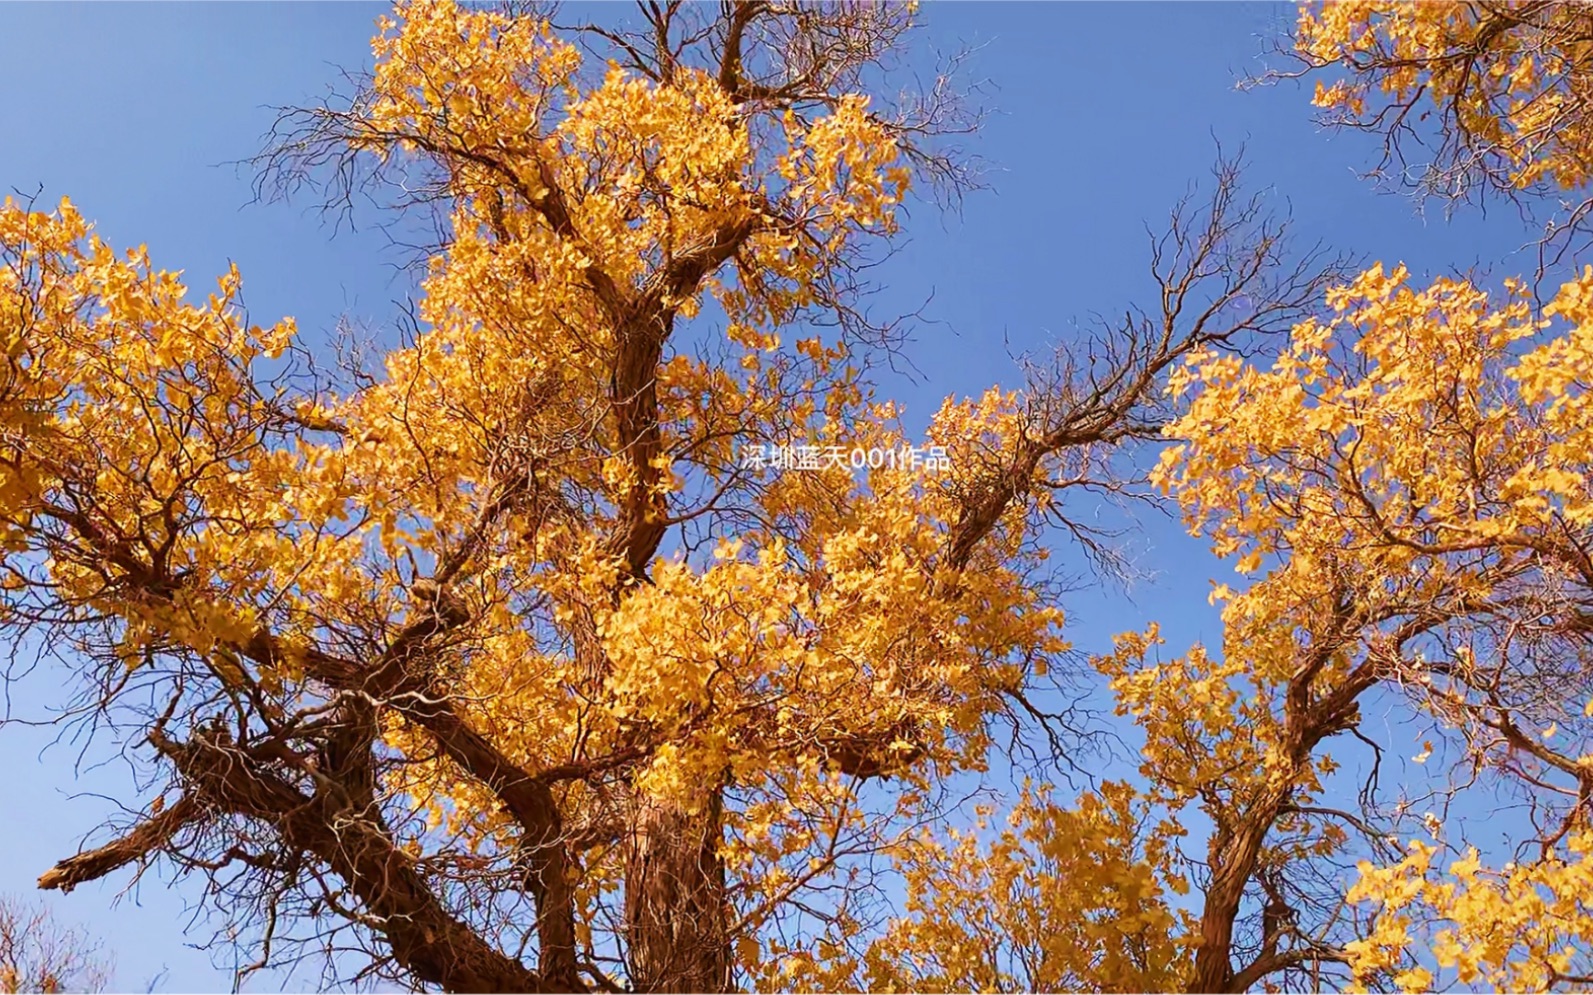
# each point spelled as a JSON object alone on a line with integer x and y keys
{"x": 676, "y": 911}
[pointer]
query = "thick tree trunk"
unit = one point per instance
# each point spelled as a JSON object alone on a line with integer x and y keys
{"x": 676, "y": 911}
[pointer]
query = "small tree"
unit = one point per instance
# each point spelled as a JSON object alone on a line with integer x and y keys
{"x": 40, "y": 954}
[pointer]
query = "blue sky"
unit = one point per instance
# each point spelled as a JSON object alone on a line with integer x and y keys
{"x": 1103, "y": 115}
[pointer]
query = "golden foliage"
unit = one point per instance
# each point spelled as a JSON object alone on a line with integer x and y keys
{"x": 501, "y": 647}
{"x": 1509, "y": 83}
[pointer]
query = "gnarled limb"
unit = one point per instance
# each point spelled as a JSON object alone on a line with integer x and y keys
{"x": 142, "y": 841}
{"x": 424, "y": 936}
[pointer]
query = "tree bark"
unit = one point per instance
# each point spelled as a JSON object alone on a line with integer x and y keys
{"x": 424, "y": 935}
{"x": 676, "y": 907}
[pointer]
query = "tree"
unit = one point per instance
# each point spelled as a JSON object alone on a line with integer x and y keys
{"x": 38, "y": 954}
{"x": 1408, "y": 480}
{"x": 1418, "y": 465}
{"x": 1470, "y": 100}
{"x": 505, "y": 661}
{"x": 505, "y": 647}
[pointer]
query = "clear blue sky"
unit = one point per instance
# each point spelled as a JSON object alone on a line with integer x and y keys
{"x": 1104, "y": 114}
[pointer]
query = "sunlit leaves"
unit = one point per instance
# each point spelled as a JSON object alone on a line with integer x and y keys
{"x": 1506, "y": 86}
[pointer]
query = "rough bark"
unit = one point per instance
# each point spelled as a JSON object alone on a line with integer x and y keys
{"x": 676, "y": 913}
{"x": 424, "y": 936}
{"x": 141, "y": 842}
